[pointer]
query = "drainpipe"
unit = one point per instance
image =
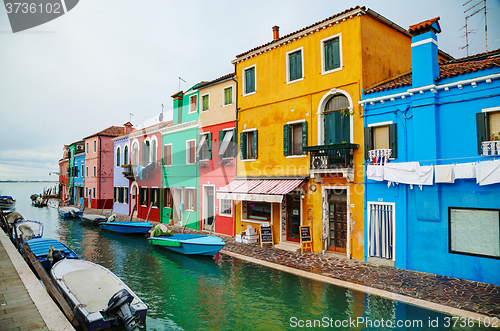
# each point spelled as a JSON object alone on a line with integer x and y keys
{"x": 236, "y": 138}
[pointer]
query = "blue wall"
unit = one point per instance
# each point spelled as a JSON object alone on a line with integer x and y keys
{"x": 118, "y": 179}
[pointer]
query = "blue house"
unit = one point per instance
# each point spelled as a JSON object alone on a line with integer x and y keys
{"x": 432, "y": 168}
{"x": 79, "y": 178}
{"x": 121, "y": 167}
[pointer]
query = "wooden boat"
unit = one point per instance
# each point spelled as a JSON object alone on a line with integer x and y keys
{"x": 189, "y": 244}
{"x": 70, "y": 211}
{"x": 99, "y": 298}
{"x": 7, "y": 204}
{"x": 27, "y": 230}
{"x": 38, "y": 201}
{"x": 127, "y": 227}
{"x": 93, "y": 219}
{"x": 41, "y": 248}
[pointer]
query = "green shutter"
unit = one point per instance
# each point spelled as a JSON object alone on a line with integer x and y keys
{"x": 482, "y": 130}
{"x": 255, "y": 145}
{"x": 209, "y": 145}
{"x": 233, "y": 142}
{"x": 228, "y": 96}
{"x": 393, "y": 139}
{"x": 250, "y": 80}
{"x": 205, "y": 102}
{"x": 243, "y": 146}
{"x": 286, "y": 139}
{"x": 295, "y": 65}
{"x": 221, "y": 138}
{"x": 332, "y": 54}
{"x": 368, "y": 141}
{"x": 304, "y": 137}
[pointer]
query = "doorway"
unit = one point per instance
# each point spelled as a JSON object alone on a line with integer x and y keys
{"x": 177, "y": 194}
{"x": 208, "y": 206}
{"x": 133, "y": 200}
{"x": 337, "y": 220}
{"x": 293, "y": 216}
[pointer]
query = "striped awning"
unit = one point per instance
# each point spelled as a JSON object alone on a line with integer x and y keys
{"x": 268, "y": 190}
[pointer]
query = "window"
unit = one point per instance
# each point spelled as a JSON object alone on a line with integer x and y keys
{"x": 248, "y": 145}
{"x": 118, "y": 157}
{"x": 87, "y": 149}
{"x": 86, "y": 192}
{"x": 115, "y": 194}
{"x": 381, "y": 136}
{"x": 294, "y": 66}
{"x": 125, "y": 155}
{"x": 120, "y": 194}
{"x": 474, "y": 231}
{"x": 249, "y": 80}
{"x": 205, "y": 102}
{"x": 488, "y": 129}
{"x": 226, "y": 207}
{"x": 227, "y": 145}
{"x": 380, "y": 229}
{"x": 93, "y": 192}
{"x": 167, "y": 197}
{"x": 190, "y": 152}
{"x": 337, "y": 120}
{"x": 143, "y": 196}
{"x": 95, "y": 171}
{"x": 125, "y": 194}
{"x": 153, "y": 151}
{"x": 228, "y": 96}
{"x": 193, "y": 103}
{"x": 95, "y": 146}
{"x": 167, "y": 154}
{"x": 135, "y": 153}
{"x": 190, "y": 199}
{"x": 83, "y": 172}
{"x": 86, "y": 171}
{"x": 145, "y": 153}
{"x": 331, "y": 54}
{"x": 155, "y": 196}
{"x": 256, "y": 211}
{"x": 204, "y": 150}
{"x": 294, "y": 138}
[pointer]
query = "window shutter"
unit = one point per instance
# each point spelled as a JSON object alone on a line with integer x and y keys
{"x": 243, "y": 146}
{"x": 368, "y": 141}
{"x": 304, "y": 137}
{"x": 255, "y": 145}
{"x": 209, "y": 142}
{"x": 286, "y": 139}
{"x": 143, "y": 153}
{"x": 250, "y": 80}
{"x": 393, "y": 140}
{"x": 194, "y": 199}
{"x": 482, "y": 130}
{"x": 221, "y": 138}
{"x": 233, "y": 142}
{"x": 293, "y": 66}
{"x": 336, "y": 53}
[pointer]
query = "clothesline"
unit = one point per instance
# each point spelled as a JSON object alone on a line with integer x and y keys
{"x": 480, "y": 159}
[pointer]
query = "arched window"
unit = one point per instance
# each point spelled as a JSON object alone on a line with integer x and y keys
{"x": 145, "y": 153}
{"x": 337, "y": 120}
{"x": 118, "y": 157}
{"x": 135, "y": 153}
{"x": 153, "y": 151}
{"x": 125, "y": 155}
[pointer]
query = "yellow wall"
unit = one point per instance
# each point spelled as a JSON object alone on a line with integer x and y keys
{"x": 217, "y": 113}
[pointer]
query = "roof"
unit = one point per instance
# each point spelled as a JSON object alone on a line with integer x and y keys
{"x": 446, "y": 70}
{"x": 345, "y": 12}
{"x": 112, "y": 131}
{"x": 425, "y": 26}
{"x": 217, "y": 80}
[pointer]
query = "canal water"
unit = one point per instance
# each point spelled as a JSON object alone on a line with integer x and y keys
{"x": 194, "y": 293}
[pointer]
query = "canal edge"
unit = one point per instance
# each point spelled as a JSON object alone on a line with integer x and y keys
{"x": 386, "y": 294}
{"x": 49, "y": 311}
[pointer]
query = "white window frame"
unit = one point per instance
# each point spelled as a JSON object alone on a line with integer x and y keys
{"x": 197, "y": 103}
{"x": 139, "y": 146}
{"x": 232, "y": 140}
{"x": 322, "y": 43}
{"x": 95, "y": 172}
{"x": 393, "y": 205}
{"x": 128, "y": 151}
{"x": 288, "y": 81}
{"x": 201, "y": 97}
{"x": 296, "y": 155}
{"x": 171, "y": 156}
{"x": 194, "y": 195}
{"x": 83, "y": 171}
{"x": 220, "y": 208}
{"x": 139, "y": 196}
{"x": 86, "y": 171}
{"x": 245, "y": 82}
{"x": 93, "y": 193}
{"x": 154, "y": 187}
{"x": 95, "y": 146}
{"x": 151, "y": 149}
{"x": 198, "y": 155}
{"x": 120, "y": 160}
{"x": 248, "y": 160}
{"x": 87, "y": 150}
{"x": 224, "y": 96}
{"x": 187, "y": 151}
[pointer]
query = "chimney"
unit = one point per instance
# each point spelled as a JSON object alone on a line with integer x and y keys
{"x": 276, "y": 32}
{"x": 424, "y": 52}
{"x": 128, "y": 127}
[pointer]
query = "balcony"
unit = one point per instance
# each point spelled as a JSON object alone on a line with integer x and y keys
{"x": 330, "y": 159}
{"x": 129, "y": 171}
{"x": 491, "y": 148}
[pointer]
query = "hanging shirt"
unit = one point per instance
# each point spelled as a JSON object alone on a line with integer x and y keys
{"x": 409, "y": 173}
{"x": 444, "y": 173}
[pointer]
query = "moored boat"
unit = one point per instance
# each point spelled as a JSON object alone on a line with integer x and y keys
{"x": 99, "y": 298}
{"x": 27, "y": 230}
{"x": 41, "y": 248}
{"x": 70, "y": 212}
{"x": 7, "y": 204}
{"x": 127, "y": 227}
{"x": 189, "y": 244}
{"x": 93, "y": 218}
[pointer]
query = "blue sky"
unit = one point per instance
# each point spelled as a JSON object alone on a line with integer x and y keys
{"x": 92, "y": 67}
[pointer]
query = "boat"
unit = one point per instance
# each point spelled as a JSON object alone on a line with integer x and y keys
{"x": 7, "y": 204}
{"x": 38, "y": 201}
{"x": 127, "y": 226}
{"x": 98, "y": 297}
{"x": 47, "y": 249}
{"x": 189, "y": 244}
{"x": 27, "y": 230}
{"x": 13, "y": 218}
{"x": 70, "y": 211}
{"x": 93, "y": 218}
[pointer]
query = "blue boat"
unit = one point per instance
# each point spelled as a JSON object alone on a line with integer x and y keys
{"x": 7, "y": 204}
{"x": 189, "y": 244}
{"x": 127, "y": 227}
{"x": 70, "y": 211}
{"x": 40, "y": 248}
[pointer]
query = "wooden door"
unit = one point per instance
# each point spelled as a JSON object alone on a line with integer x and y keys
{"x": 293, "y": 217}
{"x": 338, "y": 226}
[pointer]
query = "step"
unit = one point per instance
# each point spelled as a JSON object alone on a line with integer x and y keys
{"x": 288, "y": 246}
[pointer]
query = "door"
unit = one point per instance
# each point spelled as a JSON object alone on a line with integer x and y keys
{"x": 133, "y": 199}
{"x": 337, "y": 219}
{"x": 209, "y": 205}
{"x": 177, "y": 202}
{"x": 293, "y": 217}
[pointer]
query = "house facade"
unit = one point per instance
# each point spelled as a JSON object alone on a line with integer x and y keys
{"x": 121, "y": 182}
{"x": 300, "y": 128}
{"x": 64, "y": 175}
{"x": 73, "y": 174}
{"x": 216, "y": 152}
{"x": 433, "y": 154}
{"x": 79, "y": 178}
{"x": 179, "y": 195}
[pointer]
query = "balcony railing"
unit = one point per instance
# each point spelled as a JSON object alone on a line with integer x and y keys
{"x": 491, "y": 148}
{"x": 338, "y": 156}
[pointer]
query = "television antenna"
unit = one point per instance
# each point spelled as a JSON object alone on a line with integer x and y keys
{"x": 161, "y": 115}
{"x": 180, "y": 82}
{"x": 469, "y": 16}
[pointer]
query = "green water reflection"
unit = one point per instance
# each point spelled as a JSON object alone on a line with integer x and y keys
{"x": 194, "y": 293}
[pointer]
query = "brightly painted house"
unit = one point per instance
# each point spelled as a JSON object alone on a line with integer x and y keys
{"x": 300, "y": 128}
{"x": 180, "y": 171}
{"x": 99, "y": 161}
{"x": 216, "y": 151}
{"x": 64, "y": 175}
{"x": 439, "y": 127}
{"x": 74, "y": 175}
{"x": 145, "y": 169}
{"x": 79, "y": 178}
{"x": 121, "y": 172}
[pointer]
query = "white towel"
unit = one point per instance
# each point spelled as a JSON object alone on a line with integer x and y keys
{"x": 409, "y": 173}
{"x": 488, "y": 172}
{"x": 375, "y": 172}
{"x": 464, "y": 170}
{"x": 444, "y": 174}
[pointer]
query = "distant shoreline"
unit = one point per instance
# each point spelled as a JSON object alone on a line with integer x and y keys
{"x": 28, "y": 181}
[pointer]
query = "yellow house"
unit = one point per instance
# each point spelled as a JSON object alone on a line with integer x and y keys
{"x": 300, "y": 128}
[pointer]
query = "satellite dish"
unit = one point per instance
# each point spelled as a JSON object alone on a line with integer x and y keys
{"x": 161, "y": 117}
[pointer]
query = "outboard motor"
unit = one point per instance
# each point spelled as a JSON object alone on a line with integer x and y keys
{"x": 72, "y": 213}
{"x": 112, "y": 218}
{"x": 119, "y": 305}
{"x": 57, "y": 256}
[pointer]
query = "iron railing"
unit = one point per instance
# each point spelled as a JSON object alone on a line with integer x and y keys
{"x": 337, "y": 156}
